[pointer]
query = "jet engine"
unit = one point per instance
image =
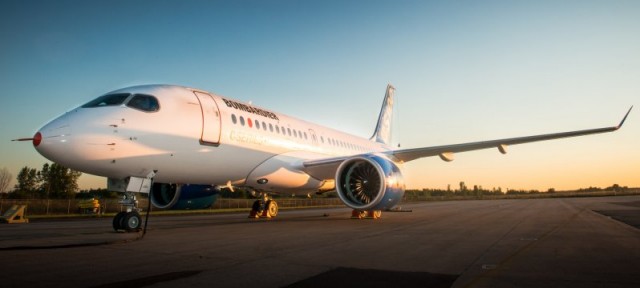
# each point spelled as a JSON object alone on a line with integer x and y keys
{"x": 183, "y": 196}
{"x": 370, "y": 182}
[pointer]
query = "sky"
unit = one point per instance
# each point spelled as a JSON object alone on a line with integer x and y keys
{"x": 464, "y": 71}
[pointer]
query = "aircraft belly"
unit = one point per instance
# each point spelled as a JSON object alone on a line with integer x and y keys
{"x": 206, "y": 165}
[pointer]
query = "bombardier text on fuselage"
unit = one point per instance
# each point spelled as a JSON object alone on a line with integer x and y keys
{"x": 182, "y": 145}
{"x": 247, "y": 108}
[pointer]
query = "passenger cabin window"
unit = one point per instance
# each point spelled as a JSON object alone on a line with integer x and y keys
{"x": 107, "y": 100}
{"x": 144, "y": 102}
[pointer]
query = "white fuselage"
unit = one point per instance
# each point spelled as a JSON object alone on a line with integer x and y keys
{"x": 196, "y": 137}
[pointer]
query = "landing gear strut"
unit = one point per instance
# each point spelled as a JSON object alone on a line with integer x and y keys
{"x": 264, "y": 207}
{"x": 129, "y": 221}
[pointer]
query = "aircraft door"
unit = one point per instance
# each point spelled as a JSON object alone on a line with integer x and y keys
{"x": 210, "y": 119}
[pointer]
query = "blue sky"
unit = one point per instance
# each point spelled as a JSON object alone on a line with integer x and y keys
{"x": 464, "y": 71}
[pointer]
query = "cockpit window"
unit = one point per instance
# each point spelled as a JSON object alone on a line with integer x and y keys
{"x": 107, "y": 100}
{"x": 144, "y": 102}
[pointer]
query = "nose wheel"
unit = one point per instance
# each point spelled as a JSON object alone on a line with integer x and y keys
{"x": 129, "y": 221}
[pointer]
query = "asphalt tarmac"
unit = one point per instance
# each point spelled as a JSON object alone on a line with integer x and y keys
{"x": 573, "y": 242}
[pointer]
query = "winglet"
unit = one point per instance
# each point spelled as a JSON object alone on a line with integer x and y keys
{"x": 625, "y": 118}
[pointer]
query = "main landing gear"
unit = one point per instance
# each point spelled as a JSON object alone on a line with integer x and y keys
{"x": 264, "y": 207}
{"x": 372, "y": 214}
{"x": 129, "y": 221}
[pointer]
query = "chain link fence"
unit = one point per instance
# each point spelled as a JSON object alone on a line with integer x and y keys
{"x": 73, "y": 207}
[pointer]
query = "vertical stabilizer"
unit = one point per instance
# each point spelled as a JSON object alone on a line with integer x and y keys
{"x": 382, "y": 134}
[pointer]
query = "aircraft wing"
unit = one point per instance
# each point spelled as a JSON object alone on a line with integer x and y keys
{"x": 446, "y": 151}
{"x": 326, "y": 168}
{"x": 323, "y": 169}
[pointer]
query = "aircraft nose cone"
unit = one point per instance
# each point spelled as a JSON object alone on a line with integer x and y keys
{"x": 52, "y": 140}
{"x": 37, "y": 139}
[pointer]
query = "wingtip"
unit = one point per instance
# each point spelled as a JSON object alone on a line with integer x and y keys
{"x": 625, "y": 118}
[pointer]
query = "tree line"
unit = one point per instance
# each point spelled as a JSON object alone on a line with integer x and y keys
{"x": 53, "y": 181}
{"x": 477, "y": 191}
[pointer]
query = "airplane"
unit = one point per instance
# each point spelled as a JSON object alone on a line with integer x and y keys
{"x": 182, "y": 145}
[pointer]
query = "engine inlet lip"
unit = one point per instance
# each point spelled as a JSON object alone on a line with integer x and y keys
{"x": 383, "y": 183}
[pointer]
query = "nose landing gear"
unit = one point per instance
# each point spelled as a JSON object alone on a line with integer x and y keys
{"x": 129, "y": 221}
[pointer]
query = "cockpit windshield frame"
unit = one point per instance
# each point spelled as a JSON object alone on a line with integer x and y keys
{"x": 141, "y": 102}
{"x": 116, "y": 99}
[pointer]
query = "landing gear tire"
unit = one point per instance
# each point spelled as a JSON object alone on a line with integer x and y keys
{"x": 117, "y": 221}
{"x": 128, "y": 221}
{"x": 265, "y": 207}
{"x": 132, "y": 221}
{"x": 271, "y": 209}
{"x": 358, "y": 214}
{"x": 256, "y": 206}
{"x": 256, "y": 209}
{"x": 370, "y": 214}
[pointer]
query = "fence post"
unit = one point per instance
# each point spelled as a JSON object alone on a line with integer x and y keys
{"x": 69, "y": 207}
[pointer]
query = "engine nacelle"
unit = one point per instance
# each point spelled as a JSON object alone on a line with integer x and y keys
{"x": 369, "y": 182}
{"x": 183, "y": 196}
